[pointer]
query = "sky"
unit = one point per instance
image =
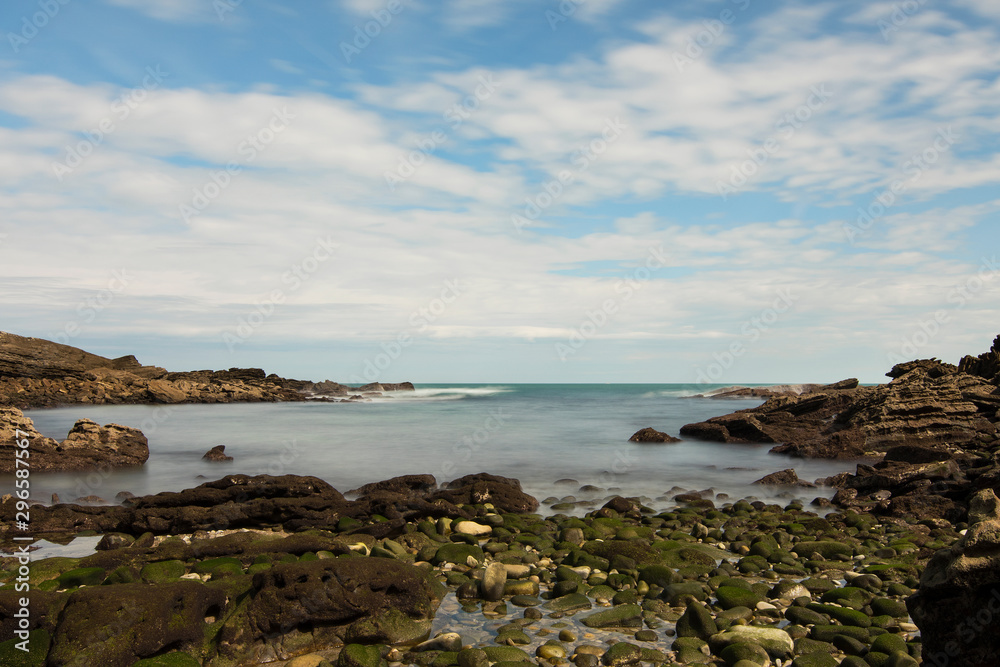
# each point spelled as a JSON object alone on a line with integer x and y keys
{"x": 503, "y": 190}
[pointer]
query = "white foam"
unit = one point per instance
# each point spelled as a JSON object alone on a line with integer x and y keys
{"x": 446, "y": 393}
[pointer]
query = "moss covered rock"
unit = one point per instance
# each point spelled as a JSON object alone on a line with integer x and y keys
{"x": 622, "y": 616}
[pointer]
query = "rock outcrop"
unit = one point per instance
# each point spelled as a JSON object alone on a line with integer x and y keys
{"x": 36, "y": 358}
{"x": 926, "y": 404}
{"x": 927, "y": 438}
{"x": 783, "y": 478}
{"x": 217, "y": 454}
{"x": 652, "y": 435}
{"x": 88, "y": 445}
{"x": 957, "y": 606}
{"x": 39, "y": 373}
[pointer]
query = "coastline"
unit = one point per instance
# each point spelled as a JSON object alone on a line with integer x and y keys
{"x": 476, "y": 572}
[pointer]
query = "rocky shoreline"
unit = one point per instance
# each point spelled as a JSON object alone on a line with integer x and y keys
{"x": 36, "y": 373}
{"x": 254, "y": 570}
{"x": 902, "y": 567}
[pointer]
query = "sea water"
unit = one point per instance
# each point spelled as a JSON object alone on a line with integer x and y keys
{"x": 554, "y": 438}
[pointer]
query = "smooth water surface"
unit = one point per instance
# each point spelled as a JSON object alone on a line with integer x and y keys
{"x": 537, "y": 433}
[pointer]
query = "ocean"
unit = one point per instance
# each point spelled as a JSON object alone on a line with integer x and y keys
{"x": 554, "y": 438}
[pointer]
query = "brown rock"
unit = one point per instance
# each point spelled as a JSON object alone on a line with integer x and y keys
{"x": 403, "y": 484}
{"x": 957, "y": 589}
{"x": 652, "y": 435}
{"x": 504, "y": 493}
{"x": 784, "y": 478}
{"x": 163, "y": 391}
{"x": 88, "y": 445}
{"x": 217, "y": 453}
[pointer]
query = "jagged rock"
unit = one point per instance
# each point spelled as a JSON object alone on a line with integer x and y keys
{"x": 217, "y": 453}
{"x": 986, "y": 365}
{"x": 957, "y": 606}
{"x": 652, "y": 435}
{"x": 929, "y": 434}
{"x": 88, "y": 446}
{"x": 924, "y": 406}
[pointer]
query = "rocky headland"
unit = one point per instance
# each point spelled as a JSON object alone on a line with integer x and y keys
{"x": 929, "y": 438}
{"x": 37, "y": 373}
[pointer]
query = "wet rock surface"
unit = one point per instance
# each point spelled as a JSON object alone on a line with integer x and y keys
{"x": 693, "y": 585}
{"x": 929, "y": 437}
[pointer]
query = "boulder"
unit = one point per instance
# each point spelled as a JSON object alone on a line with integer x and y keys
{"x": 316, "y": 604}
{"x": 648, "y": 435}
{"x": 957, "y": 605}
{"x": 406, "y": 484}
{"x": 503, "y": 493}
{"x": 217, "y": 453}
{"x": 784, "y": 478}
{"x": 118, "y": 625}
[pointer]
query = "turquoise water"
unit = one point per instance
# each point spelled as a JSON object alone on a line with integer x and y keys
{"x": 539, "y": 434}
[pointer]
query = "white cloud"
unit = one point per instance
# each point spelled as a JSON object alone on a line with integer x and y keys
{"x": 681, "y": 132}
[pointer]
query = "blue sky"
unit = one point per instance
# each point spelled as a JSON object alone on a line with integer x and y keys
{"x": 503, "y": 190}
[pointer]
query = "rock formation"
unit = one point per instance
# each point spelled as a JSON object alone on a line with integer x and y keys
{"x": 927, "y": 438}
{"x": 217, "y": 453}
{"x": 957, "y": 606}
{"x": 88, "y": 445}
{"x": 652, "y": 435}
{"x": 783, "y": 478}
{"x": 40, "y": 373}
